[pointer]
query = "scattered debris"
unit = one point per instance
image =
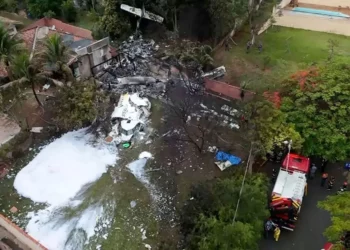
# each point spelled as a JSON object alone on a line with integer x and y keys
{"x": 4, "y": 169}
{"x": 179, "y": 172}
{"x": 143, "y": 231}
{"x": 212, "y": 149}
{"x": 132, "y": 204}
{"x": 128, "y": 118}
{"x": 46, "y": 87}
{"x": 148, "y": 246}
{"x": 230, "y": 111}
{"x": 14, "y": 210}
{"x": 146, "y": 155}
{"x": 216, "y": 73}
{"x": 36, "y": 130}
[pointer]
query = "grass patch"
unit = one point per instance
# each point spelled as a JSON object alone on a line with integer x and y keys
{"x": 302, "y": 46}
{"x": 285, "y": 50}
{"x": 9, "y": 196}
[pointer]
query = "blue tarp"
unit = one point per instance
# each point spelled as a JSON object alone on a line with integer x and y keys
{"x": 222, "y": 156}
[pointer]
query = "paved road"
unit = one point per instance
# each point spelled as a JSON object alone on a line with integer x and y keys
{"x": 312, "y": 220}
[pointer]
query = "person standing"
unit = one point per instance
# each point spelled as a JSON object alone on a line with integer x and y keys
{"x": 273, "y": 178}
{"x": 324, "y": 179}
{"x": 277, "y": 233}
{"x": 345, "y": 185}
{"x": 331, "y": 183}
{"x": 323, "y": 165}
{"x": 268, "y": 228}
{"x": 260, "y": 47}
{"x": 227, "y": 46}
{"x": 249, "y": 44}
{"x": 313, "y": 171}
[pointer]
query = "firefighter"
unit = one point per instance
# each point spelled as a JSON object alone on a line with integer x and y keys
{"x": 227, "y": 46}
{"x": 268, "y": 228}
{"x": 260, "y": 47}
{"x": 331, "y": 183}
{"x": 277, "y": 233}
{"x": 324, "y": 179}
{"x": 323, "y": 165}
{"x": 345, "y": 185}
{"x": 313, "y": 171}
{"x": 249, "y": 44}
{"x": 273, "y": 178}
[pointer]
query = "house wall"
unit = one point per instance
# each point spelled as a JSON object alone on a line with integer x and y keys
{"x": 85, "y": 66}
{"x": 92, "y": 55}
{"x": 18, "y": 236}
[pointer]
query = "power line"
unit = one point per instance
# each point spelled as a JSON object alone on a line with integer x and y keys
{"x": 244, "y": 177}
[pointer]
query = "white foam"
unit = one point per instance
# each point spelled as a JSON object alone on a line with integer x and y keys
{"x": 55, "y": 176}
{"x": 137, "y": 168}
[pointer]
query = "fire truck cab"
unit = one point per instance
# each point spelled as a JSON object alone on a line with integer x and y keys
{"x": 289, "y": 190}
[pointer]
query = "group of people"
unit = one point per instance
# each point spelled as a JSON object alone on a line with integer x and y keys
{"x": 325, "y": 178}
{"x": 250, "y": 44}
{"x": 271, "y": 226}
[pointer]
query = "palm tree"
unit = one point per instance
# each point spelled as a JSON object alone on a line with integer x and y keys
{"x": 9, "y": 46}
{"x": 56, "y": 55}
{"x": 26, "y": 71}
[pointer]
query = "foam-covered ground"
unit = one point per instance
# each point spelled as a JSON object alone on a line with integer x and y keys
{"x": 55, "y": 176}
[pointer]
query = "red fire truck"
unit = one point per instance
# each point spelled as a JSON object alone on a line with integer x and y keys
{"x": 289, "y": 190}
{"x": 345, "y": 241}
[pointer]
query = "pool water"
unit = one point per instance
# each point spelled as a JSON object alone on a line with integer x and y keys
{"x": 320, "y": 12}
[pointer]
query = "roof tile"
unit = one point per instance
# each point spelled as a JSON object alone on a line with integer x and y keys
{"x": 61, "y": 27}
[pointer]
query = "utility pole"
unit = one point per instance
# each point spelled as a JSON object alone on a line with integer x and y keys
{"x": 242, "y": 186}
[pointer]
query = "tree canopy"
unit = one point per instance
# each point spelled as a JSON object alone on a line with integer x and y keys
{"x": 268, "y": 128}
{"x": 9, "y": 45}
{"x": 38, "y": 8}
{"x": 114, "y": 22}
{"x": 339, "y": 208}
{"x": 76, "y": 106}
{"x": 224, "y": 13}
{"x": 317, "y": 102}
{"x": 207, "y": 218}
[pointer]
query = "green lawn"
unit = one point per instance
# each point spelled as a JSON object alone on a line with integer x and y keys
{"x": 285, "y": 50}
{"x": 302, "y": 46}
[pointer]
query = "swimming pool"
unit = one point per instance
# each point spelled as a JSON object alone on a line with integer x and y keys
{"x": 319, "y": 12}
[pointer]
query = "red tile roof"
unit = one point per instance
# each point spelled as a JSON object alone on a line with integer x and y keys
{"x": 227, "y": 90}
{"x": 28, "y": 38}
{"x": 61, "y": 27}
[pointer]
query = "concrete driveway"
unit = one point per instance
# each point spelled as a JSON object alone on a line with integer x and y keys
{"x": 312, "y": 221}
